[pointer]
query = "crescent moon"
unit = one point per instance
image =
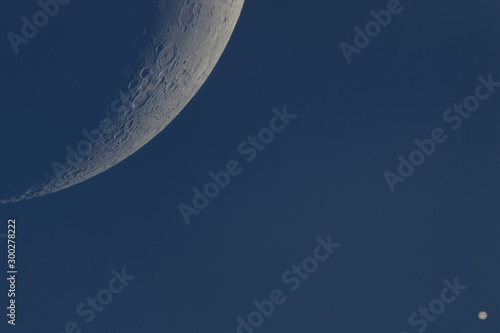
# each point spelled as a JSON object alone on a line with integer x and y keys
{"x": 174, "y": 68}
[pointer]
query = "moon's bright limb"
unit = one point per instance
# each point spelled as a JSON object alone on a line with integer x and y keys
{"x": 190, "y": 38}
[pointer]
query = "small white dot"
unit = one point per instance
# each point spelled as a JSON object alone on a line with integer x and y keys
{"x": 482, "y": 315}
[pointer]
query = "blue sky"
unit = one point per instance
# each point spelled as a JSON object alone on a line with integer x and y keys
{"x": 322, "y": 176}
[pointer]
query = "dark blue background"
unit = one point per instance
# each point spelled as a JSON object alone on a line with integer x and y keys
{"x": 322, "y": 176}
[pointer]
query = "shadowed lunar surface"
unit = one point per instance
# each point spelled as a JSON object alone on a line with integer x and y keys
{"x": 188, "y": 40}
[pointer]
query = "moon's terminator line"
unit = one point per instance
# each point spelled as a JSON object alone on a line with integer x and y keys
{"x": 187, "y": 47}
